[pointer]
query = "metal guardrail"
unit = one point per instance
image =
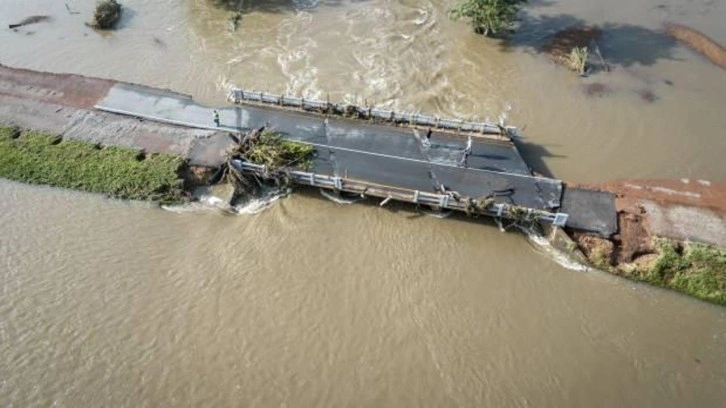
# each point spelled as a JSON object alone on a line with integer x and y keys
{"x": 499, "y": 211}
{"x": 238, "y": 95}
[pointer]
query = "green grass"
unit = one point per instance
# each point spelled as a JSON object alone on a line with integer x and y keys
{"x": 600, "y": 260}
{"x": 40, "y": 158}
{"x": 695, "y": 269}
{"x": 274, "y": 152}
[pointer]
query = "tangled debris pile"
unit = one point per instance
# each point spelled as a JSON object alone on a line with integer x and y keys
{"x": 107, "y": 13}
{"x": 266, "y": 148}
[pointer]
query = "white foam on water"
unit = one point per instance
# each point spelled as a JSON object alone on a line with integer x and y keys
{"x": 206, "y": 201}
{"x": 542, "y": 245}
{"x": 259, "y": 204}
{"x": 504, "y": 115}
{"x": 338, "y": 199}
{"x": 437, "y": 214}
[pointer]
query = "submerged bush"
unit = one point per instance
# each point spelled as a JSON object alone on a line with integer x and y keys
{"x": 487, "y": 17}
{"x": 107, "y": 13}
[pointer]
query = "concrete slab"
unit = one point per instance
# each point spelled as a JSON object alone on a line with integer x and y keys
{"x": 591, "y": 211}
{"x": 425, "y": 176}
{"x": 210, "y": 151}
{"x": 173, "y": 108}
{"x": 686, "y": 223}
{"x": 369, "y": 152}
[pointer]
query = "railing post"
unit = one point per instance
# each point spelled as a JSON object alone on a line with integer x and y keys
{"x": 560, "y": 220}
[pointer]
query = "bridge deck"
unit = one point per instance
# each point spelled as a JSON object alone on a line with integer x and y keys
{"x": 366, "y": 152}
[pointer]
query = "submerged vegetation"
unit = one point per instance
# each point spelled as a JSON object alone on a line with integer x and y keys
{"x": 577, "y": 60}
{"x": 40, "y": 158}
{"x": 107, "y": 13}
{"x": 573, "y": 46}
{"x": 234, "y": 20}
{"x": 487, "y": 17}
{"x": 236, "y": 9}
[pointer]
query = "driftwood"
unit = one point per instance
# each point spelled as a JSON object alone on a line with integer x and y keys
{"x": 30, "y": 20}
{"x": 71, "y": 12}
{"x": 698, "y": 42}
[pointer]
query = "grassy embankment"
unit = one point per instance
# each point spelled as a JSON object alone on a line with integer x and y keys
{"x": 694, "y": 269}
{"x": 40, "y": 158}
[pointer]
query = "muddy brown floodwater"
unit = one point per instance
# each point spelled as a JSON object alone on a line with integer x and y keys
{"x": 311, "y": 303}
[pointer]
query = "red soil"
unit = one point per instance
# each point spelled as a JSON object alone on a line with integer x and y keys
{"x": 62, "y": 89}
{"x": 635, "y": 230}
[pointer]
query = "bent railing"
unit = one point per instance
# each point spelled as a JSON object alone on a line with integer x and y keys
{"x": 442, "y": 201}
{"x": 238, "y": 95}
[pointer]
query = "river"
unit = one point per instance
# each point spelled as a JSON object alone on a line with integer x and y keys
{"x": 312, "y": 303}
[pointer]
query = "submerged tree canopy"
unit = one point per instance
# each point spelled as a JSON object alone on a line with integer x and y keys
{"x": 106, "y": 15}
{"x": 488, "y": 17}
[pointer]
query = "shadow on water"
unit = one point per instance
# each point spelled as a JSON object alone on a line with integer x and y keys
{"x": 621, "y": 44}
{"x": 540, "y": 3}
{"x": 127, "y": 17}
{"x": 534, "y": 155}
{"x": 407, "y": 210}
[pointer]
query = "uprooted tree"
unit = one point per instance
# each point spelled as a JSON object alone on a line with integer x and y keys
{"x": 267, "y": 148}
{"x": 487, "y": 17}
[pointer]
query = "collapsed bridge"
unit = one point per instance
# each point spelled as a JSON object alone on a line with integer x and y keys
{"x": 392, "y": 155}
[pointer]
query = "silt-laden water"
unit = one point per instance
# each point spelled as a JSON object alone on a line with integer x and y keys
{"x": 312, "y": 303}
